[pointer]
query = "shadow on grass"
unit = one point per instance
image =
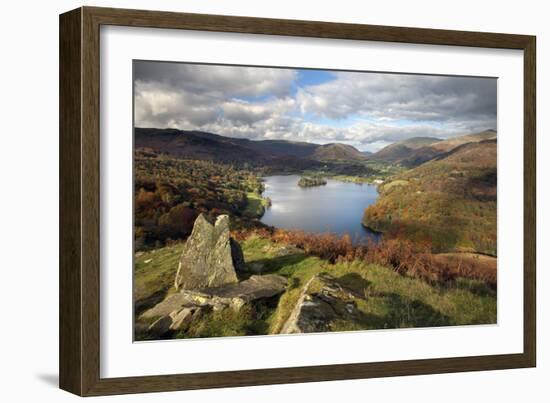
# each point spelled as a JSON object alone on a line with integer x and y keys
{"x": 355, "y": 282}
{"x": 476, "y": 287}
{"x": 405, "y": 312}
{"x": 274, "y": 264}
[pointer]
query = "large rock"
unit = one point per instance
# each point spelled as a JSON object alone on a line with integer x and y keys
{"x": 217, "y": 298}
{"x": 178, "y": 319}
{"x": 322, "y": 302}
{"x": 178, "y": 310}
{"x": 182, "y": 318}
{"x": 210, "y": 257}
{"x": 236, "y": 295}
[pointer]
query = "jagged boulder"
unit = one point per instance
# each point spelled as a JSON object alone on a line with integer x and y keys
{"x": 322, "y": 302}
{"x": 236, "y": 295}
{"x": 178, "y": 310}
{"x": 210, "y": 257}
{"x": 217, "y": 298}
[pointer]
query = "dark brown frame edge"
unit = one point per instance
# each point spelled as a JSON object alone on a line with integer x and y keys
{"x": 79, "y": 201}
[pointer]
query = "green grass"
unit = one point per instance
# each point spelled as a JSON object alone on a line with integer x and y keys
{"x": 154, "y": 273}
{"x": 392, "y": 300}
{"x": 256, "y": 205}
{"x": 361, "y": 172}
{"x": 225, "y": 323}
{"x": 352, "y": 178}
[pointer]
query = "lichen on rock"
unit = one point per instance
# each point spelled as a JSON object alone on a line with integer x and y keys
{"x": 210, "y": 257}
{"x": 322, "y": 302}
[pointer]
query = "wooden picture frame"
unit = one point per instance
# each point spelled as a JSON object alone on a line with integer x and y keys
{"x": 80, "y": 199}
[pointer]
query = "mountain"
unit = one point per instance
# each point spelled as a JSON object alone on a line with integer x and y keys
{"x": 449, "y": 144}
{"x": 213, "y": 147}
{"x": 418, "y": 150}
{"x": 448, "y": 203}
{"x": 438, "y": 149}
{"x": 279, "y": 148}
{"x": 193, "y": 145}
{"x": 395, "y": 152}
{"x": 336, "y": 151}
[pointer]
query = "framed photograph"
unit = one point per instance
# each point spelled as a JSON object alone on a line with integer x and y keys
{"x": 250, "y": 201}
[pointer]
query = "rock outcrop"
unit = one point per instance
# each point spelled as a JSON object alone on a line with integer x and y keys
{"x": 236, "y": 295}
{"x": 323, "y": 300}
{"x": 217, "y": 298}
{"x": 210, "y": 257}
{"x": 177, "y": 319}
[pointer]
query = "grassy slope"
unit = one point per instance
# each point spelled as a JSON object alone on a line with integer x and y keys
{"x": 401, "y": 149}
{"x": 393, "y": 300}
{"x": 449, "y": 202}
{"x": 256, "y": 205}
{"x": 154, "y": 273}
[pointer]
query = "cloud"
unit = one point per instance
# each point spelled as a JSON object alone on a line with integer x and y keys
{"x": 367, "y": 110}
{"x": 401, "y": 97}
{"x": 242, "y": 112}
{"x": 214, "y": 80}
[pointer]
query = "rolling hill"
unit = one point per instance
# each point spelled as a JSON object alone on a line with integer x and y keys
{"x": 396, "y": 152}
{"x": 440, "y": 148}
{"x": 449, "y": 202}
{"x": 336, "y": 151}
{"x": 213, "y": 147}
{"x": 192, "y": 145}
{"x": 449, "y": 144}
{"x": 418, "y": 150}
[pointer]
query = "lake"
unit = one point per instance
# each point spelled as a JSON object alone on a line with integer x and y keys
{"x": 335, "y": 207}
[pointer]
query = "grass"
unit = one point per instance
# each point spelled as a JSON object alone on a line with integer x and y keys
{"x": 154, "y": 273}
{"x": 392, "y": 300}
{"x": 353, "y": 179}
{"x": 256, "y": 205}
{"x": 225, "y": 323}
{"x": 362, "y": 172}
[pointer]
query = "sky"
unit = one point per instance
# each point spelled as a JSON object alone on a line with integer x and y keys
{"x": 364, "y": 109}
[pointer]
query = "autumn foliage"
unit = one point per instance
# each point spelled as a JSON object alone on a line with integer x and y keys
{"x": 404, "y": 256}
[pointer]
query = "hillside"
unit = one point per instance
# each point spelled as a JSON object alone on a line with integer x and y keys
{"x": 193, "y": 145}
{"x": 449, "y": 144}
{"x": 169, "y": 193}
{"x": 438, "y": 149}
{"x": 449, "y": 203}
{"x": 337, "y": 151}
{"x": 279, "y": 148}
{"x": 378, "y": 296}
{"x": 213, "y": 147}
{"x": 418, "y": 150}
{"x": 395, "y": 152}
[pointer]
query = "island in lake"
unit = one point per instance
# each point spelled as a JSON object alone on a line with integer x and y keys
{"x": 259, "y": 210}
{"x": 311, "y": 181}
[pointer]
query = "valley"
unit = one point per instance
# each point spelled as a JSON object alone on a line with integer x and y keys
{"x": 412, "y": 225}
